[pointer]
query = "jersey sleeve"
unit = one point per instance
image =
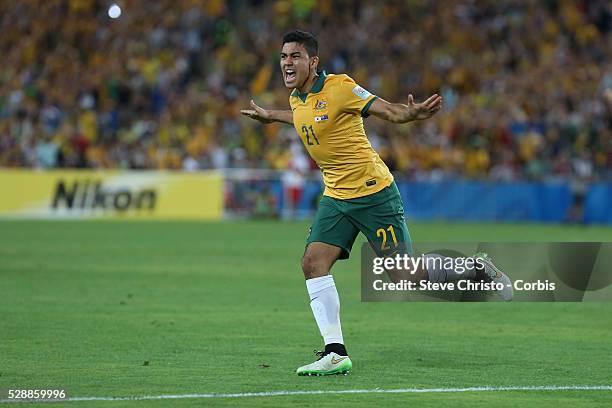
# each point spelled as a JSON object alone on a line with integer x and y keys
{"x": 354, "y": 98}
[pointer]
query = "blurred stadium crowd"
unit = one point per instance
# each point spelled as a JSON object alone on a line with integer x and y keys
{"x": 527, "y": 84}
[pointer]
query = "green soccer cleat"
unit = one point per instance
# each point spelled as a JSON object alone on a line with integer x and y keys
{"x": 327, "y": 364}
{"x": 492, "y": 274}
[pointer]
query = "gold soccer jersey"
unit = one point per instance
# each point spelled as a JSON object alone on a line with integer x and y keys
{"x": 329, "y": 122}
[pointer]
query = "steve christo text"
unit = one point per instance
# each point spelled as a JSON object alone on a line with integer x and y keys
{"x": 463, "y": 284}
{"x": 460, "y": 264}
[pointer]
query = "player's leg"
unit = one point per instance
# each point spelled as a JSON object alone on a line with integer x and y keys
{"x": 380, "y": 217}
{"x": 331, "y": 238}
{"x": 437, "y": 269}
{"x": 324, "y": 300}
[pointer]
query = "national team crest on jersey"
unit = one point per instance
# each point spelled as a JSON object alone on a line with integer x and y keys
{"x": 320, "y": 105}
{"x": 360, "y": 92}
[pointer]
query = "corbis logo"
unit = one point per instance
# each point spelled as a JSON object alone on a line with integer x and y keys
{"x": 92, "y": 195}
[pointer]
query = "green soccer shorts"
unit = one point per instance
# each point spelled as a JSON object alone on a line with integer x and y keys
{"x": 379, "y": 216}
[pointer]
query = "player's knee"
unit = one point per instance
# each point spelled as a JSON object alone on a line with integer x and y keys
{"x": 308, "y": 266}
{"x": 312, "y": 268}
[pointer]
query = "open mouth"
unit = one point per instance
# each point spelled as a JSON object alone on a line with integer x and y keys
{"x": 289, "y": 74}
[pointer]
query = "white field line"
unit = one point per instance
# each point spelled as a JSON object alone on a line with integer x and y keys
{"x": 327, "y": 392}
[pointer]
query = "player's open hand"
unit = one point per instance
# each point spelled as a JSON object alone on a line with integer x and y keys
{"x": 425, "y": 109}
{"x": 257, "y": 113}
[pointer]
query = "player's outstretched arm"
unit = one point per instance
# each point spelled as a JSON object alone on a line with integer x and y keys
{"x": 403, "y": 113}
{"x": 267, "y": 115}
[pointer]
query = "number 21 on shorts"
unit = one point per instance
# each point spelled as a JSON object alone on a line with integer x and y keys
{"x": 382, "y": 233}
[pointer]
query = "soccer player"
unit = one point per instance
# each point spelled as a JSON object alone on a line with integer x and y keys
{"x": 360, "y": 194}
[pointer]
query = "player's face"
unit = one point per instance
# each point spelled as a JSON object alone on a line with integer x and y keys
{"x": 295, "y": 64}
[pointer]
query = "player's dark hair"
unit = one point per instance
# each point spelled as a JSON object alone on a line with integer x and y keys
{"x": 306, "y": 39}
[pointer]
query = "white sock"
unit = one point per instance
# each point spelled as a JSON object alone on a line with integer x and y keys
{"x": 325, "y": 305}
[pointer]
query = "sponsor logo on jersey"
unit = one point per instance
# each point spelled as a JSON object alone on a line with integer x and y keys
{"x": 321, "y": 118}
{"x": 360, "y": 92}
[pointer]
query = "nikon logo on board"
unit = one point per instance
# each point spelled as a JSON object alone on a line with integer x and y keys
{"x": 92, "y": 195}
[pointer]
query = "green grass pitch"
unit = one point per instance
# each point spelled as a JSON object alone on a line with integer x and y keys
{"x": 162, "y": 308}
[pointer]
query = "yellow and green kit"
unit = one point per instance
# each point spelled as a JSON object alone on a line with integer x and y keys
{"x": 360, "y": 194}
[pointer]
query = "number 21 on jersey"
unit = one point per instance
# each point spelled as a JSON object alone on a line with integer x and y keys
{"x": 308, "y": 132}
